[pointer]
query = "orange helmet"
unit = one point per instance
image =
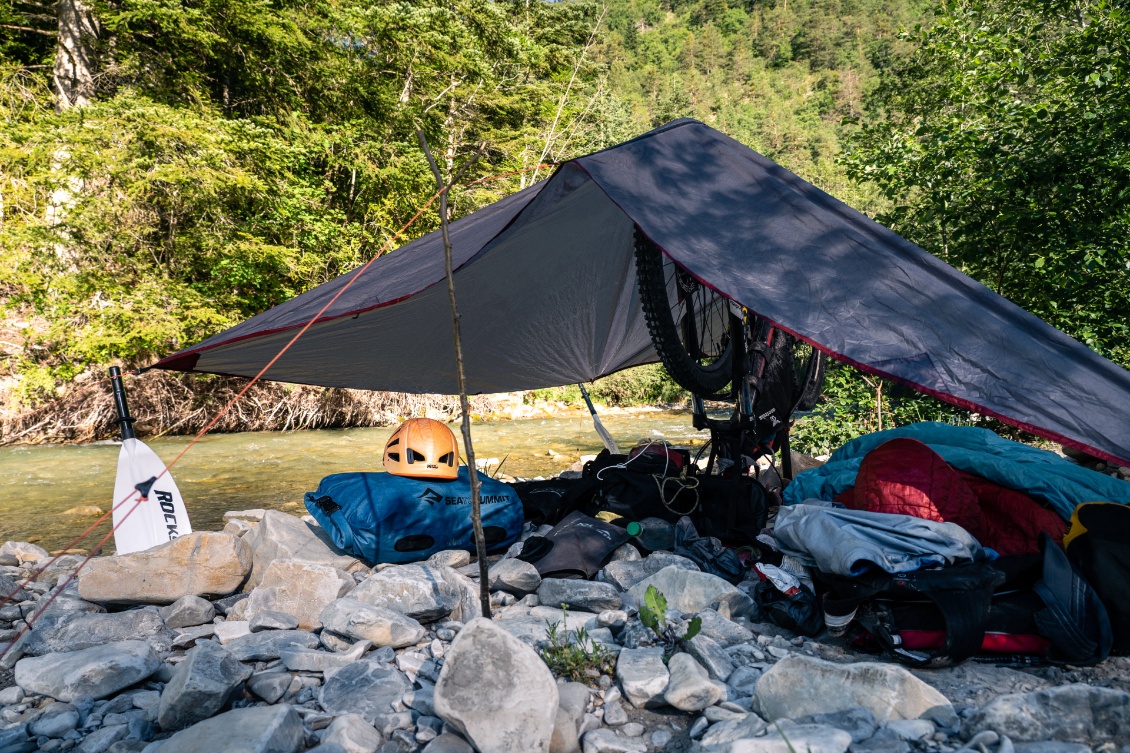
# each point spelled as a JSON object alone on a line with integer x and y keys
{"x": 422, "y": 448}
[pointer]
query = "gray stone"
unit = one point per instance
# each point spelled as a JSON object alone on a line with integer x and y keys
{"x": 310, "y": 660}
{"x": 883, "y": 743}
{"x": 911, "y": 729}
{"x": 9, "y": 586}
{"x": 270, "y": 685}
{"x": 421, "y": 700}
{"x": 12, "y": 695}
{"x": 659, "y": 739}
{"x": 353, "y": 734}
{"x": 128, "y": 746}
{"x": 362, "y": 621}
{"x": 496, "y": 691}
{"x": 786, "y": 738}
{"x": 711, "y": 656}
{"x": 450, "y": 558}
{"x": 626, "y": 573}
{"x": 724, "y": 631}
{"x": 256, "y": 729}
{"x": 200, "y": 687}
{"x": 366, "y": 687}
{"x": 189, "y": 636}
{"x": 642, "y": 676}
{"x": 1069, "y": 713}
{"x": 202, "y": 563}
{"x": 529, "y": 624}
{"x": 468, "y": 606}
{"x": 565, "y": 738}
{"x": 226, "y": 604}
{"x": 801, "y": 685}
{"x": 23, "y": 551}
{"x": 267, "y": 645}
{"x": 625, "y": 553}
{"x": 230, "y": 630}
{"x": 302, "y": 589}
{"x": 284, "y": 537}
{"x": 743, "y": 680}
{"x": 632, "y": 729}
{"x": 690, "y": 591}
{"x": 690, "y": 687}
{"x": 448, "y": 743}
{"x": 188, "y": 611}
{"x": 607, "y": 741}
{"x": 417, "y": 591}
{"x": 96, "y": 672}
{"x": 513, "y": 576}
{"x": 100, "y": 740}
{"x": 253, "y": 515}
{"x": 858, "y": 722}
{"x": 56, "y": 720}
{"x": 73, "y": 631}
{"x": 574, "y": 698}
{"x": 614, "y": 714}
{"x": 268, "y": 620}
{"x": 1050, "y": 746}
{"x": 588, "y": 595}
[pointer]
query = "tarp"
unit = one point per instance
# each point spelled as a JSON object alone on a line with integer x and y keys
{"x": 547, "y": 292}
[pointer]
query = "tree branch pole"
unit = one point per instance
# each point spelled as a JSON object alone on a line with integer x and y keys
{"x": 464, "y": 403}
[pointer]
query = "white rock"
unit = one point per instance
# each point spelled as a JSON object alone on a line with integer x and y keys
{"x": 353, "y": 734}
{"x": 268, "y": 620}
{"x": 589, "y": 595}
{"x": 361, "y": 621}
{"x": 514, "y": 576}
{"x": 690, "y": 591}
{"x": 73, "y": 631}
{"x": 302, "y": 589}
{"x": 496, "y": 691}
{"x": 607, "y": 741}
{"x": 366, "y": 687}
{"x": 911, "y": 729}
{"x": 188, "y": 611}
{"x": 95, "y": 672}
{"x": 450, "y": 558}
{"x": 800, "y": 685}
{"x": 690, "y": 687}
{"x": 1077, "y": 713}
{"x": 23, "y": 551}
{"x": 417, "y": 591}
{"x": 642, "y": 676}
{"x": 789, "y": 738}
{"x": 256, "y": 729}
{"x": 284, "y": 537}
{"x": 229, "y": 630}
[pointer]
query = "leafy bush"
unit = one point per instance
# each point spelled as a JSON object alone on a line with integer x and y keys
{"x": 575, "y": 655}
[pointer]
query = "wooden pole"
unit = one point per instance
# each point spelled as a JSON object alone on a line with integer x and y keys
{"x": 464, "y": 403}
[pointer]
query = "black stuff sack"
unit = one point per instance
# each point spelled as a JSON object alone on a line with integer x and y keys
{"x": 1099, "y": 545}
{"x": 380, "y": 517}
{"x": 577, "y": 547}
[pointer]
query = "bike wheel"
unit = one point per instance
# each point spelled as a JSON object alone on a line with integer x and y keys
{"x": 809, "y": 366}
{"x": 689, "y": 323}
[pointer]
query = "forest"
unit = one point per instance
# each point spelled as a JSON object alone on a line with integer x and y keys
{"x": 171, "y": 167}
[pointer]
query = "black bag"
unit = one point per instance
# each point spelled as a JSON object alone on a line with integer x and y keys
{"x": 1099, "y": 545}
{"x": 547, "y": 501}
{"x": 1016, "y": 605}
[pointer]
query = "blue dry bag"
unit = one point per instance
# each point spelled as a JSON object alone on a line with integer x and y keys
{"x": 380, "y": 517}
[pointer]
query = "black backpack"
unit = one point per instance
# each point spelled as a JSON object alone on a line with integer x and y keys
{"x": 1033, "y": 604}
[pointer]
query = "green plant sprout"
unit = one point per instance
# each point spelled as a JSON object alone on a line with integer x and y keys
{"x": 653, "y": 614}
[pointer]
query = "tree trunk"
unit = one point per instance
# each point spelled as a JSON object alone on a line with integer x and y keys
{"x": 74, "y": 55}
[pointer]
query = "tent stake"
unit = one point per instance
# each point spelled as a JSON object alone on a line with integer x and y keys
{"x": 464, "y": 403}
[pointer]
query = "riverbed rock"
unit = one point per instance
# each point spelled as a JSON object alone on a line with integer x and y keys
{"x": 201, "y": 564}
{"x": 11, "y": 587}
{"x": 514, "y": 576}
{"x": 417, "y": 591}
{"x": 800, "y": 685}
{"x": 201, "y": 686}
{"x": 23, "y": 551}
{"x": 713, "y": 658}
{"x": 56, "y": 720}
{"x": 280, "y": 536}
{"x": 642, "y": 676}
{"x": 724, "y": 631}
{"x": 360, "y": 621}
{"x": 691, "y": 591}
{"x": 302, "y": 589}
{"x": 188, "y": 611}
{"x": 270, "y": 685}
{"x": 607, "y": 741}
{"x": 353, "y": 734}
{"x": 450, "y": 558}
{"x": 786, "y": 737}
{"x": 256, "y": 729}
{"x": 690, "y": 687}
{"x": 94, "y": 672}
{"x": 587, "y": 595}
{"x": 368, "y": 687}
{"x": 1069, "y": 713}
{"x": 468, "y": 606}
{"x": 269, "y": 620}
{"x": 265, "y": 646}
{"x": 496, "y": 691}
{"x": 61, "y": 631}
{"x": 626, "y": 573}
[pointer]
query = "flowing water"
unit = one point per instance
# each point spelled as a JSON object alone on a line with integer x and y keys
{"x": 272, "y": 470}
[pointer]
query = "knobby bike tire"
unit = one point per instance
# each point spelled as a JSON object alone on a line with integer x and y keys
{"x": 811, "y": 379}
{"x": 704, "y": 379}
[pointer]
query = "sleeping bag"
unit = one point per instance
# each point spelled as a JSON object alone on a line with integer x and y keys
{"x": 380, "y": 517}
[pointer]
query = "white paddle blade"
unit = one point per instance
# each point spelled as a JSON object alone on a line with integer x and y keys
{"x": 605, "y": 437}
{"x": 160, "y": 518}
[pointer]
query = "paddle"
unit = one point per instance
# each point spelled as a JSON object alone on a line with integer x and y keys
{"x": 160, "y": 516}
{"x": 605, "y": 437}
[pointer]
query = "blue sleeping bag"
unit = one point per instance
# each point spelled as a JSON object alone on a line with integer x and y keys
{"x": 380, "y": 517}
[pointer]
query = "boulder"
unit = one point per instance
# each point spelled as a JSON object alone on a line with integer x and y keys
{"x": 368, "y": 687}
{"x": 23, "y": 551}
{"x": 267, "y": 645}
{"x": 95, "y": 672}
{"x": 801, "y": 685}
{"x": 188, "y": 611}
{"x": 642, "y": 676}
{"x": 587, "y": 595}
{"x": 691, "y": 591}
{"x": 280, "y": 536}
{"x": 353, "y": 734}
{"x": 785, "y": 738}
{"x": 1068, "y": 713}
{"x": 360, "y": 621}
{"x": 299, "y": 588}
{"x": 201, "y": 686}
{"x": 256, "y": 729}
{"x": 200, "y": 564}
{"x": 496, "y": 691}
{"x": 514, "y": 576}
{"x": 417, "y": 591}
{"x": 690, "y": 687}
{"x": 724, "y": 631}
{"x": 57, "y": 632}
{"x": 626, "y": 573}
{"x": 56, "y": 720}
{"x": 469, "y": 606}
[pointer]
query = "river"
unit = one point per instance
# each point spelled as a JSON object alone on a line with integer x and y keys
{"x": 39, "y": 484}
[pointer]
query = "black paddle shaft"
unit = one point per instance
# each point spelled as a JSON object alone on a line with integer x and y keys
{"x": 125, "y": 420}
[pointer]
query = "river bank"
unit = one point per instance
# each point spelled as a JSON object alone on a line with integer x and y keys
{"x": 263, "y": 638}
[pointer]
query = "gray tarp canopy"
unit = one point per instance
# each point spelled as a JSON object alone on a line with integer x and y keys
{"x": 547, "y": 292}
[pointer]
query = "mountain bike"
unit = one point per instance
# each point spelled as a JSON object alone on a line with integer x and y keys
{"x": 718, "y": 350}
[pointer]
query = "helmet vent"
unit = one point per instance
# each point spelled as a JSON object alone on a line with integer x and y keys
{"x": 394, "y": 457}
{"x": 449, "y": 458}
{"x": 413, "y": 456}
